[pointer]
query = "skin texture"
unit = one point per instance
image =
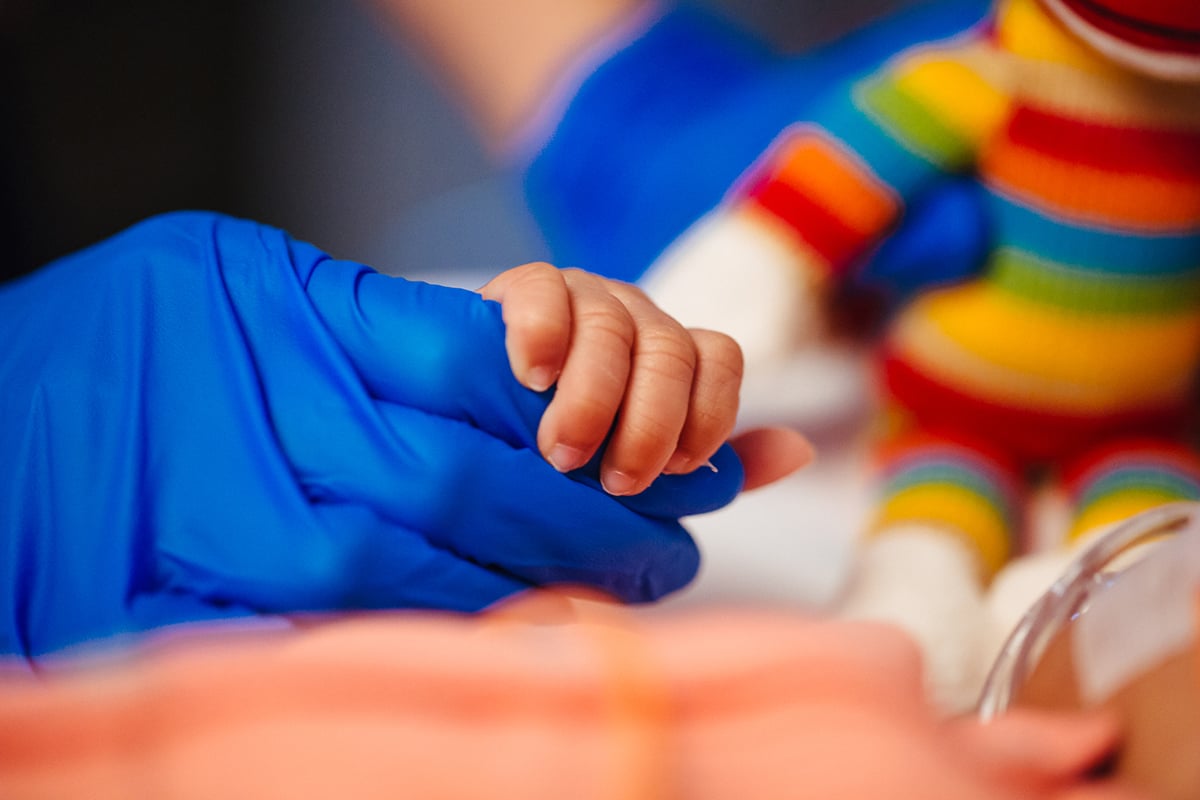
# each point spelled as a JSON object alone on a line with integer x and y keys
{"x": 668, "y": 394}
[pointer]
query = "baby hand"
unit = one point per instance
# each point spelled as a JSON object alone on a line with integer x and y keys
{"x": 667, "y": 394}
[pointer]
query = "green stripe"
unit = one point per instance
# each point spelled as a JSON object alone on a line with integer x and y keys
{"x": 912, "y": 123}
{"x": 1090, "y": 291}
{"x": 952, "y": 475}
{"x": 1171, "y": 486}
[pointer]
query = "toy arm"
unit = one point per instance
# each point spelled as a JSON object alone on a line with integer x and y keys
{"x": 840, "y": 183}
{"x": 826, "y": 192}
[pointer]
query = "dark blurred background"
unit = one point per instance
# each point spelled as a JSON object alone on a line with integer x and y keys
{"x": 305, "y": 114}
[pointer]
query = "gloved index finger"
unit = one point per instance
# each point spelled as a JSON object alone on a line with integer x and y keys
{"x": 433, "y": 348}
{"x": 442, "y": 351}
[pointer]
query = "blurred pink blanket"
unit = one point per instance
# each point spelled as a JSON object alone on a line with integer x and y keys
{"x": 544, "y": 699}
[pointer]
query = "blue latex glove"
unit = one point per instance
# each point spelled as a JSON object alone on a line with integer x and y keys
{"x": 203, "y": 417}
{"x": 655, "y": 137}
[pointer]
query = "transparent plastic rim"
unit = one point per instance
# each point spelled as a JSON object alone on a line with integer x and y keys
{"x": 1068, "y": 597}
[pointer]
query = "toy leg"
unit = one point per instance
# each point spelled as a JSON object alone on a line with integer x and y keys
{"x": 948, "y": 515}
{"x": 1112, "y": 483}
{"x": 1106, "y": 486}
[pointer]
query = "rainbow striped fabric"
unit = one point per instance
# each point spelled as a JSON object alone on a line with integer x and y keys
{"x": 1127, "y": 477}
{"x": 960, "y": 485}
{"x": 1085, "y": 322}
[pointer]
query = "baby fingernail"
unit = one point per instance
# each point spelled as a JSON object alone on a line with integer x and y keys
{"x": 566, "y": 458}
{"x": 681, "y": 463}
{"x": 617, "y": 482}
{"x": 678, "y": 464}
{"x": 540, "y": 378}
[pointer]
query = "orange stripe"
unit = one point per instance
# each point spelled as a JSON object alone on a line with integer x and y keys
{"x": 639, "y": 712}
{"x": 834, "y": 179}
{"x": 1129, "y": 200}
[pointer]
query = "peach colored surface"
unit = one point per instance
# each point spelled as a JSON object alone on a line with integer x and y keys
{"x": 546, "y": 698}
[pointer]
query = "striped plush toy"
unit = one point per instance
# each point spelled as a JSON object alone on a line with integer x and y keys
{"x": 1073, "y": 354}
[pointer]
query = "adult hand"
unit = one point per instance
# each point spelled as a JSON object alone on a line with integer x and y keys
{"x": 206, "y": 418}
{"x": 655, "y": 136}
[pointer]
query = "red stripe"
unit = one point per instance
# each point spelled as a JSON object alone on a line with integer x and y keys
{"x": 1033, "y": 437}
{"x": 1162, "y": 153}
{"x": 825, "y": 233}
{"x": 1133, "y": 451}
{"x": 979, "y": 454}
{"x": 1180, "y": 18}
{"x": 915, "y": 447}
{"x": 1167, "y": 26}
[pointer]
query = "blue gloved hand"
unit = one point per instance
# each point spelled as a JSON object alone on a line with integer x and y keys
{"x": 204, "y": 418}
{"x": 660, "y": 131}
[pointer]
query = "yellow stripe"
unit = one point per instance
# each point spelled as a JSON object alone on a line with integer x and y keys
{"x": 992, "y": 344}
{"x": 1025, "y": 29}
{"x": 1050, "y": 69}
{"x": 958, "y": 509}
{"x": 1117, "y": 507}
{"x": 957, "y": 95}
